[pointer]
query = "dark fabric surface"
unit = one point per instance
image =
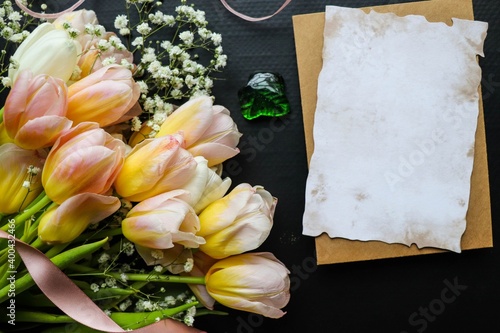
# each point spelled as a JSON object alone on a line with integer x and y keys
{"x": 435, "y": 293}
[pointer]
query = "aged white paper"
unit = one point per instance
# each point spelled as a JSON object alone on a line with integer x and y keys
{"x": 394, "y": 129}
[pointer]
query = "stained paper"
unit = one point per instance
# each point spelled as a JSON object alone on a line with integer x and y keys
{"x": 394, "y": 129}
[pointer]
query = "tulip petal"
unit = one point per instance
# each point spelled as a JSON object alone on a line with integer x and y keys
{"x": 192, "y": 118}
{"x": 215, "y": 153}
{"x": 223, "y": 212}
{"x": 42, "y": 132}
{"x": 63, "y": 223}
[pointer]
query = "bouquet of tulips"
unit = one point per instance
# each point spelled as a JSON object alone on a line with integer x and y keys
{"x": 130, "y": 205}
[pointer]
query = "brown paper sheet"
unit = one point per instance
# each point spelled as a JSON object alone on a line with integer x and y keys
{"x": 308, "y": 32}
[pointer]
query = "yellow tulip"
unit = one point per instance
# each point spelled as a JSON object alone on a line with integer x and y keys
{"x": 155, "y": 166}
{"x": 162, "y": 221}
{"x": 19, "y": 177}
{"x": 103, "y": 97}
{"x": 84, "y": 159}
{"x": 47, "y": 50}
{"x": 63, "y": 223}
{"x": 238, "y": 222}
{"x": 252, "y": 282}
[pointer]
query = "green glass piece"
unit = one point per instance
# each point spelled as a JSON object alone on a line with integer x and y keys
{"x": 264, "y": 95}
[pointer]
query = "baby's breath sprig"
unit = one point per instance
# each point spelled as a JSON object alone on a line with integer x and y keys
{"x": 175, "y": 67}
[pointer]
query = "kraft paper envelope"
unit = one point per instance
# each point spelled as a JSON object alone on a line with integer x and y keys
{"x": 308, "y": 30}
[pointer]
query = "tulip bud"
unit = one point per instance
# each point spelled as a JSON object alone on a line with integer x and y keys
{"x": 102, "y": 97}
{"x": 162, "y": 221}
{"x": 155, "y": 166}
{"x": 78, "y": 19}
{"x": 208, "y": 130}
{"x": 19, "y": 177}
{"x": 218, "y": 142}
{"x": 47, "y": 50}
{"x": 84, "y": 159}
{"x": 35, "y": 110}
{"x": 63, "y": 223}
{"x": 252, "y": 282}
{"x": 238, "y": 222}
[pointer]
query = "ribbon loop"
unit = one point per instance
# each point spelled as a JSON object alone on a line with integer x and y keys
{"x": 253, "y": 19}
{"x": 48, "y": 16}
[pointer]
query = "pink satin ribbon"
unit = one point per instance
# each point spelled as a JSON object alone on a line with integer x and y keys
{"x": 76, "y": 5}
{"x": 72, "y": 300}
{"x": 48, "y": 16}
{"x": 253, "y": 19}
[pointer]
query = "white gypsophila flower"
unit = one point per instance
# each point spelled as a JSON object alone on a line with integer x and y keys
{"x": 110, "y": 282}
{"x": 169, "y": 20}
{"x": 176, "y": 93}
{"x": 189, "y": 66}
{"x": 121, "y": 21}
{"x": 158, "y": 268}
{"x": 204, "y": 33}
{"x": 103, "y": 258}
{"x": 181, "y": 297}
{"x": 127, "y": 64}
{"x": 94, "y": 287}
{"x": 221, "y": 61}
{"x": 216, "y": 38}
{"x": 103, "y": 45}
{"x": 149, "y": 55}
{"x": 156, "y": 18}
{"x": 15, "y": 16}
{"x": 116, "y": 43}
{"x": 108, "y": 61}
{"x": 136, "y": 124}
{"x": 170, "y": 300}
{"x": 17, "y": 38}
{"x": 192, "y": 310}
{"x": 143, "y": 28}
{"x": 190, "y": 81}
{"x": 187, "y": 37}
{"x": 123, "y": 277}
{"x": 188, "y": 265}
{"x": 138, "y": 42}
{"x": 143, "y": 87}
{"x": 157, "y": 254}
{"x": 6, "y": 81}
{"x": 125, "y": 304}
{"x": 26, "y": 184}
{"x": 189, "y": 320}
{"x": 166, "y": 45}
{"x": 124, "y": 31}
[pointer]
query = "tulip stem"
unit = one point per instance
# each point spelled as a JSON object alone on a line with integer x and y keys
{"x": 140, "y": 277}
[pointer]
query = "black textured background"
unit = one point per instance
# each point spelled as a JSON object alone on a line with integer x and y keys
{"x": 376, "y": 296}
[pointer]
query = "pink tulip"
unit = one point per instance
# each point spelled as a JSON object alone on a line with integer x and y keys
{"x": 84, "y": 159}
{"x": 63, "y": 223}
{"x": 219, "y": 141}
{"x": 162, "y": 221}
{"x": 153, "y": 167}
{"x": 78, "y": 20}
{"x": 92, "y": 57}
{"x": 35, "y": 110}
{"x": 18, "y": 187}
{"x": 253, "y": 282}
{"x": 102, "y": 97}
{"x": 209, "y": 131}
